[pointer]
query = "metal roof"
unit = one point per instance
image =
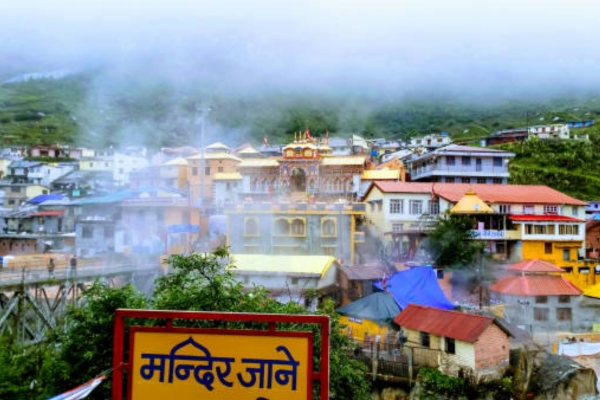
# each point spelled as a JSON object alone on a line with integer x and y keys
{"x": 379, "y": 174}
{"x": 343, "y": 160}
{"x": 227, "y": 176}
{"x": 305, "y": 265}
{"x": 535, "y": 285}
{"x": 545, "y": 217}
{"x": 535, "y": 266}
{"x": 364, "y": 272}
{"x": 471, "y": 204}
{"x": 452, "y": 324}
{"x": 260, "y": 162}
{"x": 508, "y": 194}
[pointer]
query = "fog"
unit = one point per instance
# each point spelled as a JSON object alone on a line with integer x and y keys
{"x": 383, "y": 47}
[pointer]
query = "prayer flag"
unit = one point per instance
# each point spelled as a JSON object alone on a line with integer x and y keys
{"x": 82, "y": 391}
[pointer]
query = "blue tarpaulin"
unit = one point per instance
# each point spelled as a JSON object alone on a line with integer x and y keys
{"x": 418, "y": 286}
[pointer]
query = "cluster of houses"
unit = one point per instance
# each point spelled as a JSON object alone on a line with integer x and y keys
{"x": 336, "y": 215}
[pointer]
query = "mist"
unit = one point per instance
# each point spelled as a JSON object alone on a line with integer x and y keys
{"x": 378, "y": 48}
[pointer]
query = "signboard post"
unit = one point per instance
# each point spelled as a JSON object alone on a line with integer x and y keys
{"x": 218, "y": 363}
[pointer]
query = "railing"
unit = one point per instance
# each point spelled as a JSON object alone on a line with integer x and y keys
{"x": 392, "y": 359}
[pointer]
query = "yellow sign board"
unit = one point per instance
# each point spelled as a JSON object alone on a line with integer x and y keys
{"x": 220, "y": 364}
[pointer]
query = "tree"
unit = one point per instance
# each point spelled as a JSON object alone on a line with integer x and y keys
{"x": 82, "y": 348}
{"x": 206, "y": 282}
{"x": 451, "y": 243}
{"x": 85, "y": 346}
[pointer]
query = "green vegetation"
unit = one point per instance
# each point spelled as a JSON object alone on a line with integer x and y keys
{"x": 89, "y": 110}
{"x": 438, "y": 386}
{"x": 569, "y": 166}
{"x": 450, "y": 242}
{"x": 81, "y": 347}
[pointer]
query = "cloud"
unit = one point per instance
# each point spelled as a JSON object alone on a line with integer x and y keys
{"x": 390, "y": 46}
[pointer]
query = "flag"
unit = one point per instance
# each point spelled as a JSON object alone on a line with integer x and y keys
{"x": 308, "y": 137}
{"x": 82, "y": 391}
{"x": 265, "y": 142}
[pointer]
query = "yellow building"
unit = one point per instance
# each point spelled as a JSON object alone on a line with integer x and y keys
{"x": 201, "y": 170}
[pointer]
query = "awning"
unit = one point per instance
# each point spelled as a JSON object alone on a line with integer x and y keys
{"x": 48, "y": 214}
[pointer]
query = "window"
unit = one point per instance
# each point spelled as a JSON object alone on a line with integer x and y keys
{"x": 575, "y": 211}
{"x": 396, "y": 206}
{"x": 548, "y": 248}
{"x": 206, "y": 171}
{"x": 481, "y": 180}
{"x": 328, "y": 227}
{"x": 87, "y": 232}
{"x": 466, "y": 161}
{"x": 497, "y": 161}
{"x": 251, "y": 227}
{"x": 424, "y": 339}
{"x": 465, "y": 180}
{"x": 450, "y": 160}
{"x": 568, "y": 270}
{"x": 550, "y": 209}
{"x": 397, "y": 227}
{"x": 527, "y": 209}
{"x": 416, "y": 207}
{"x": 298, "y": 227}
{"x": 504, "y": 208}
{"x": 566, "y": 255}
{"x": 220, "y": 169}
{"x": 15, "y": 189}
{"x": 434, "y": 207}
{"x": 497, "y": 181}
{"x": 450, "y": 346}
{"x": 584, "y": 270}
{"x": 541, "y": 299}
{"x": 568, "y": 229}
{"x": 540, "y": 314}
{"x": 563, "y": 314}
{"x": 564, "y": 299}
{"x": 282, "y": 227}
{"x": 195, "y": 171}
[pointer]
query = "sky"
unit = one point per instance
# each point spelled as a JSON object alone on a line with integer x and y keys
{"x": 483, "y": 46}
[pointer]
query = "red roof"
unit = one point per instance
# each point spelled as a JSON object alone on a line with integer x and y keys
{"x": 535, "y": 285}
{"x": 526, "y": 217}
{"x": 48, "y": 214}
{"x": 453, "y": 192}
{"x": 452, "y": 324}
{"x": 535, "y": 266}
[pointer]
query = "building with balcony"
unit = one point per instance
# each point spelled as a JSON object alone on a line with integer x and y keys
{"x": 527, "y": 222}
{"x": 461, "y": 164}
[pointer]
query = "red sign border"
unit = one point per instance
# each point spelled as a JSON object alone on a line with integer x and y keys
{"x": 219, "y": 331}
{"x": 120, "y": 363}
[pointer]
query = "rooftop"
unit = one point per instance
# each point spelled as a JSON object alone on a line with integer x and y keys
{"x": 453, "y": 324}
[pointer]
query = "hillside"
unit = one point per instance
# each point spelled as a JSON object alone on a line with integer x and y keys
{"x": 86, "y": 109}
{"x": 572, "y": 167}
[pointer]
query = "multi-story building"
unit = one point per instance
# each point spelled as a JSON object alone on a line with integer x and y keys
{"x": 461, "y": 164}
{"x": 297, "y": 229}
{"x": 433, "y": 141}
{"x": 526, "y": 222}
{"x": 14, "y": 195}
